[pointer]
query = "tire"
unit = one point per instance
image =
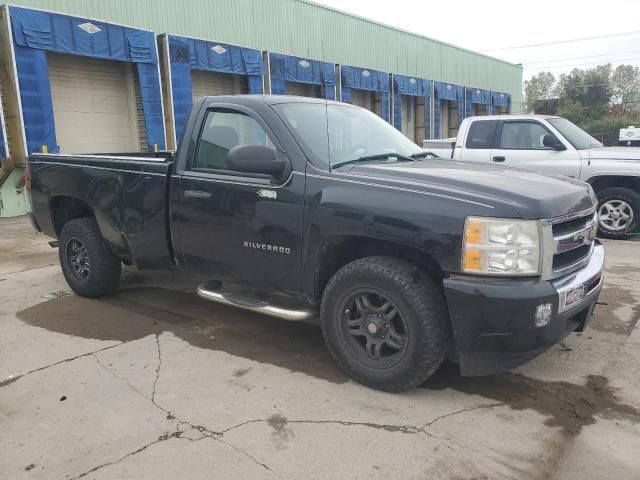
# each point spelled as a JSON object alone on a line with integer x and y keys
{"x": 421, "y": 314}
{"x": 617, "y": 198}
{"x": 102, "y": 273}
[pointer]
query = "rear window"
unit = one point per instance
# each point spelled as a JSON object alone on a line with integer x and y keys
{"x": 481, "y": 134}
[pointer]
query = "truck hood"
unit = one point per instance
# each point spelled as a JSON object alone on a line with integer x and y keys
{"x": 612, "y": 153}
{"x": 511, "y": 191}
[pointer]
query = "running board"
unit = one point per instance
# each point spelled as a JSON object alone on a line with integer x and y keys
{"x": 254, "y": 305}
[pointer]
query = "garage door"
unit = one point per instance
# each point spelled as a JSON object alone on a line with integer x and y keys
{"x": 479, "y": 109}
{"x": 408, "y": 107}
{"x": 362, "y": 98}
{"x": 94, "y": 104}
{"x": 302, "y": 89}
{"x": 453, "y": 119}
{"x": 421, "y": 133}
{"x": 210, "y": 83}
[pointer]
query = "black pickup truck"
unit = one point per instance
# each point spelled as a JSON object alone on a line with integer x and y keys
{"x": 313, "y": 210}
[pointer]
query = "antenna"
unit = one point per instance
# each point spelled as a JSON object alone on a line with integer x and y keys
{"x": 326, "y": 102}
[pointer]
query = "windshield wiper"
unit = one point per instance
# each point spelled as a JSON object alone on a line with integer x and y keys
{"x": 423, "y": 155}
{"x": 379, "y": 156}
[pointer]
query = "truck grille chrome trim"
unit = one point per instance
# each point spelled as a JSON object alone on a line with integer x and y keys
{"x": 590, "y": 279}
{"x": 568, "y": 242}
{"x": 247, "y": 303}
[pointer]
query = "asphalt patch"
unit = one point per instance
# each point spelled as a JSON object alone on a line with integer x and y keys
{"x": 567, "y": 405}
{"x": 135, "y": 313}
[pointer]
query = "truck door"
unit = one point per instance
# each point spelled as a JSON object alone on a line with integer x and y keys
{"x": 233, "y": 226}
{"x": 477, "y": 145}
{"x": 519, "y": 144}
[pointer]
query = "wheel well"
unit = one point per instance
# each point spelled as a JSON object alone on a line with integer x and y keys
{"x": 64, "y": 209}
{"x": 343, "y": 249}
{"x": 600, "y": 183}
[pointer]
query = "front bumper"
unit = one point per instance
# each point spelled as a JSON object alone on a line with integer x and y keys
{"x": 494, "y": 320}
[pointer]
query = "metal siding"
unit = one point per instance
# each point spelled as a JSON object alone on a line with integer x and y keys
{"x": 296, "y": 27}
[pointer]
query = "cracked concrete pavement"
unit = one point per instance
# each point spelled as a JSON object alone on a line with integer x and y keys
{"x": 157, "y": 383}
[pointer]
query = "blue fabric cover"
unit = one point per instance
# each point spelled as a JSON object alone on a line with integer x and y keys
{"x": 500, "y": 100}
{"x": 65, "y": 34}
{"x": 366, "y": 79}
{"x": 446, "y": 91}
{"x": 477, "y": 96}
{"x": 36, "y": 32}
{"x": 286, "y": 68}
{"x": 188, "y": 54}
{"x": 416, "y": 87}
{"x": 152, "y": 104}
{"x": 35, "y": 94}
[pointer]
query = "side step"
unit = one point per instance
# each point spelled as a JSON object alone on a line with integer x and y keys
{"x": 247, "y": 303}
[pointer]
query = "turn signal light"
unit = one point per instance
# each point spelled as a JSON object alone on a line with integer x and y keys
{"x": 471, "y": 260}
{"x": 473, "y": 233}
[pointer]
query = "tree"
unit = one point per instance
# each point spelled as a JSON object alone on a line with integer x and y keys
{"x": 585, "y": 93}
{"x": 540, "y": 87}
{"x": 625, "y": 82}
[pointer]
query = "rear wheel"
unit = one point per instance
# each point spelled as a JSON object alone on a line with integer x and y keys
{"x": 384, "y": 323}
{"x": 89, "y": 268}
{"x": 618, "y": 210}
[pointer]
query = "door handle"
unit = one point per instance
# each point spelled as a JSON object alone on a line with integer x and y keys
{"x": 196, "y": 194}
{"x": 499, "y": 159}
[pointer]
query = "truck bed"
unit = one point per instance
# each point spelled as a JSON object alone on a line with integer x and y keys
{"x": 128, "y": 194}
{"x": 442, "y": 147}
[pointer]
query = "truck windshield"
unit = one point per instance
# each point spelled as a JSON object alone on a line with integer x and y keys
{"x": 336, "y": 135}
{"x": 580, "y": 139}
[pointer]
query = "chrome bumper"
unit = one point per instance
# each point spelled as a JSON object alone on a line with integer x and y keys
{"x": 589, "y": 278}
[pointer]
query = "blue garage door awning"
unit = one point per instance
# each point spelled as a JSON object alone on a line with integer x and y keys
{"x": 366, "y": 79}
{"x": 476, "y": 96}
{"x": 446, "y": 91}
{"x": 188, "y": 54}
{"x": 36, "y": 32}
{"x": 287, "y": 68}
{"x": 415, "y": 87}
{"x": 500, "y": 100}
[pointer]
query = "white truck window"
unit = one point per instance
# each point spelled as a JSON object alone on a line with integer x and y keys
{"x": 481, "y": 134}
{"x": 523, "y": 136}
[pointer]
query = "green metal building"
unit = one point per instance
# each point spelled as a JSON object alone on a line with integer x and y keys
{"x": 304, "y": 29}
{"x": 422, "y": 86}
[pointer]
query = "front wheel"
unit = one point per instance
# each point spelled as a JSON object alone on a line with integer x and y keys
{"x": 384, "y": 323}
{"x": 89, "y": 268}
{"x": 618, "y": 210}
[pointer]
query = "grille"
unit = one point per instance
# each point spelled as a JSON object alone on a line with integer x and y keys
{"x": 571, "y": 225}
{"x": 566, "y": 259}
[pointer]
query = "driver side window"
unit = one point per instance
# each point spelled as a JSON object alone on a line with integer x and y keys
{"x": 223, "y": 130}
{"x": 523, "y": 136}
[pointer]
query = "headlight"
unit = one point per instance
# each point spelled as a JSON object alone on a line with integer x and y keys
{"x": 494, "y": 246}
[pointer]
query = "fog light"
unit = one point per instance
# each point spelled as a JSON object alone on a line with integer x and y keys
{"x": 543, "y": 314}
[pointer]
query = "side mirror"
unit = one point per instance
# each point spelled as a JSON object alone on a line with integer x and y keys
{"x": 551, "y": 141}
{"x": 256, "y": 159}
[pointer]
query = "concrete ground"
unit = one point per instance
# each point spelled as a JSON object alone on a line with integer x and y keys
{"x": 156, "y": 383}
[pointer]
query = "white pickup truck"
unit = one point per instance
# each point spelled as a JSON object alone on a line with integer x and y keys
{"x": 554, "y": 146}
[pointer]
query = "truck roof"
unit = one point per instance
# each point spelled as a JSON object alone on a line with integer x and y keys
{"x": 253, "y": 99}
{"x": 513, "y": 117}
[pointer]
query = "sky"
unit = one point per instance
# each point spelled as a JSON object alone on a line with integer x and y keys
{"x": 500, "y": 28}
